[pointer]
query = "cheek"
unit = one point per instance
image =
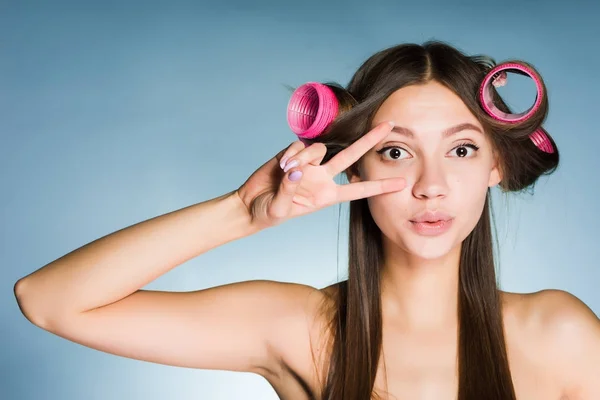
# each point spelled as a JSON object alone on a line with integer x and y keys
{"x": 390, "y": 210}
{"x": 468, "y": 188}
{"x": 468, "y": 194}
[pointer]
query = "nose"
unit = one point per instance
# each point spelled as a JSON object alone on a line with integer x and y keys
{"x": 430, "y": 181}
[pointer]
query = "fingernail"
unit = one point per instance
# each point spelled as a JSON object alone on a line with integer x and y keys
{"x": 291, "y": 165}
{"x": 294, "y": 176}
{"x": 283, "y": 161}
{"x": 392, "y": 123}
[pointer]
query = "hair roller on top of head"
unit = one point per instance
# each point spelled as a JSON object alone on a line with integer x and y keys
{"x": 312, "y": 107}
{"x": 497, "y": 77}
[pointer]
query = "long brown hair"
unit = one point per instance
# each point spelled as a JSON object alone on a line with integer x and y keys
{"x": 355, "y": 322}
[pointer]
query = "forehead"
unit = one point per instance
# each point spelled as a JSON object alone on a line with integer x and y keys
{"x": 424, "y": 107}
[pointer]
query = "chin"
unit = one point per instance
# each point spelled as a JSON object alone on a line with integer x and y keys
{"x": 428, "y": 248}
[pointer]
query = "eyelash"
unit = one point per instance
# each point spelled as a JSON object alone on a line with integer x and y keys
{"x": 464, "y": 144}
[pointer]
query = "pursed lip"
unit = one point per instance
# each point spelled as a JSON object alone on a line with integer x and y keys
{"x": 431, "y": 216}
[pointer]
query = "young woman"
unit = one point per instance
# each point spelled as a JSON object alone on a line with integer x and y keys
{"x": 420, "y": 316}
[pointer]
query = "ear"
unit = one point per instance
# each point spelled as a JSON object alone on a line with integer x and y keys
{"x": 495, "y": 173}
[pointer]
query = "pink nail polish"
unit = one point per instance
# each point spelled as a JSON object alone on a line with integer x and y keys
{"x": 290, "y": 165}
{"x": 283, "y": 161}
{"x": 294, "y": 176}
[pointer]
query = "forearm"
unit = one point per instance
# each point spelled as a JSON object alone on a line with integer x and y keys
{"x": 115, "y": 266}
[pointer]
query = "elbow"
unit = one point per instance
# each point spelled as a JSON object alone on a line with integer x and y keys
{"x": 19, "y": 295}
{"x": 24, "y": 303}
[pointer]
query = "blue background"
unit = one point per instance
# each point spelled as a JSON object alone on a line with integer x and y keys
{"x": 115, "y": 112}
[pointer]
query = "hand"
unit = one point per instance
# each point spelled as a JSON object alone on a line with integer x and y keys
{"x": 273, "y": 196}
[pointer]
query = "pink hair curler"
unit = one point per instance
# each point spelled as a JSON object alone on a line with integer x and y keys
{"x": 312, "y": 107}
{"x": 497, "y": 76}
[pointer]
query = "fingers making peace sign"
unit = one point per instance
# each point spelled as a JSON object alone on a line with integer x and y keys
{"x": 294, "y": 182}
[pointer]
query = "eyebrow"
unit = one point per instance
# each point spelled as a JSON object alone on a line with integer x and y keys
{"x": 448, "y": 132}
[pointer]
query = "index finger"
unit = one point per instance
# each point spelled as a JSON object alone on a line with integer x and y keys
{"x": 345, "y": 158}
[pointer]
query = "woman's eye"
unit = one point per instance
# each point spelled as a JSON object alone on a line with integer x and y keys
{"x": 462, "y": 150}
{"x": 393, "y": 153}
{"x": 398, "y": 153}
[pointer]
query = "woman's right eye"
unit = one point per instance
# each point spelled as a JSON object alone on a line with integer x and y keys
{"x": 393, "y": 153}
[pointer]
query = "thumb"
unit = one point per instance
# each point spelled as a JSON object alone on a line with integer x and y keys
{"x": 281, "y": 205}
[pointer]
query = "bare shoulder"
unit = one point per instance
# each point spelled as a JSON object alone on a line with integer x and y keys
{"x": 564, "y": 332}
{"x": 300, "y": 340}
{"x": 555, "y": 315}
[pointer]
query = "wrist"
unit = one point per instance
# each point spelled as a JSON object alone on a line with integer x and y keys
{"x": 241, "y": 214}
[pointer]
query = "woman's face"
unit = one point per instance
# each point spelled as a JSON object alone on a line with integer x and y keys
{"x": 446, "y": 170}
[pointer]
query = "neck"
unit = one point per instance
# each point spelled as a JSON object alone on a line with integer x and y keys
{"x": 420, "y": 294}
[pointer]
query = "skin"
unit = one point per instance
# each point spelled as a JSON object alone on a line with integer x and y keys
{"x": 92, "y": 296}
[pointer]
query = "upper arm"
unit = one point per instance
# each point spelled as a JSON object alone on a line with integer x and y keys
{"x": 228, "y": 327}
{"x": 572, "y": 331}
